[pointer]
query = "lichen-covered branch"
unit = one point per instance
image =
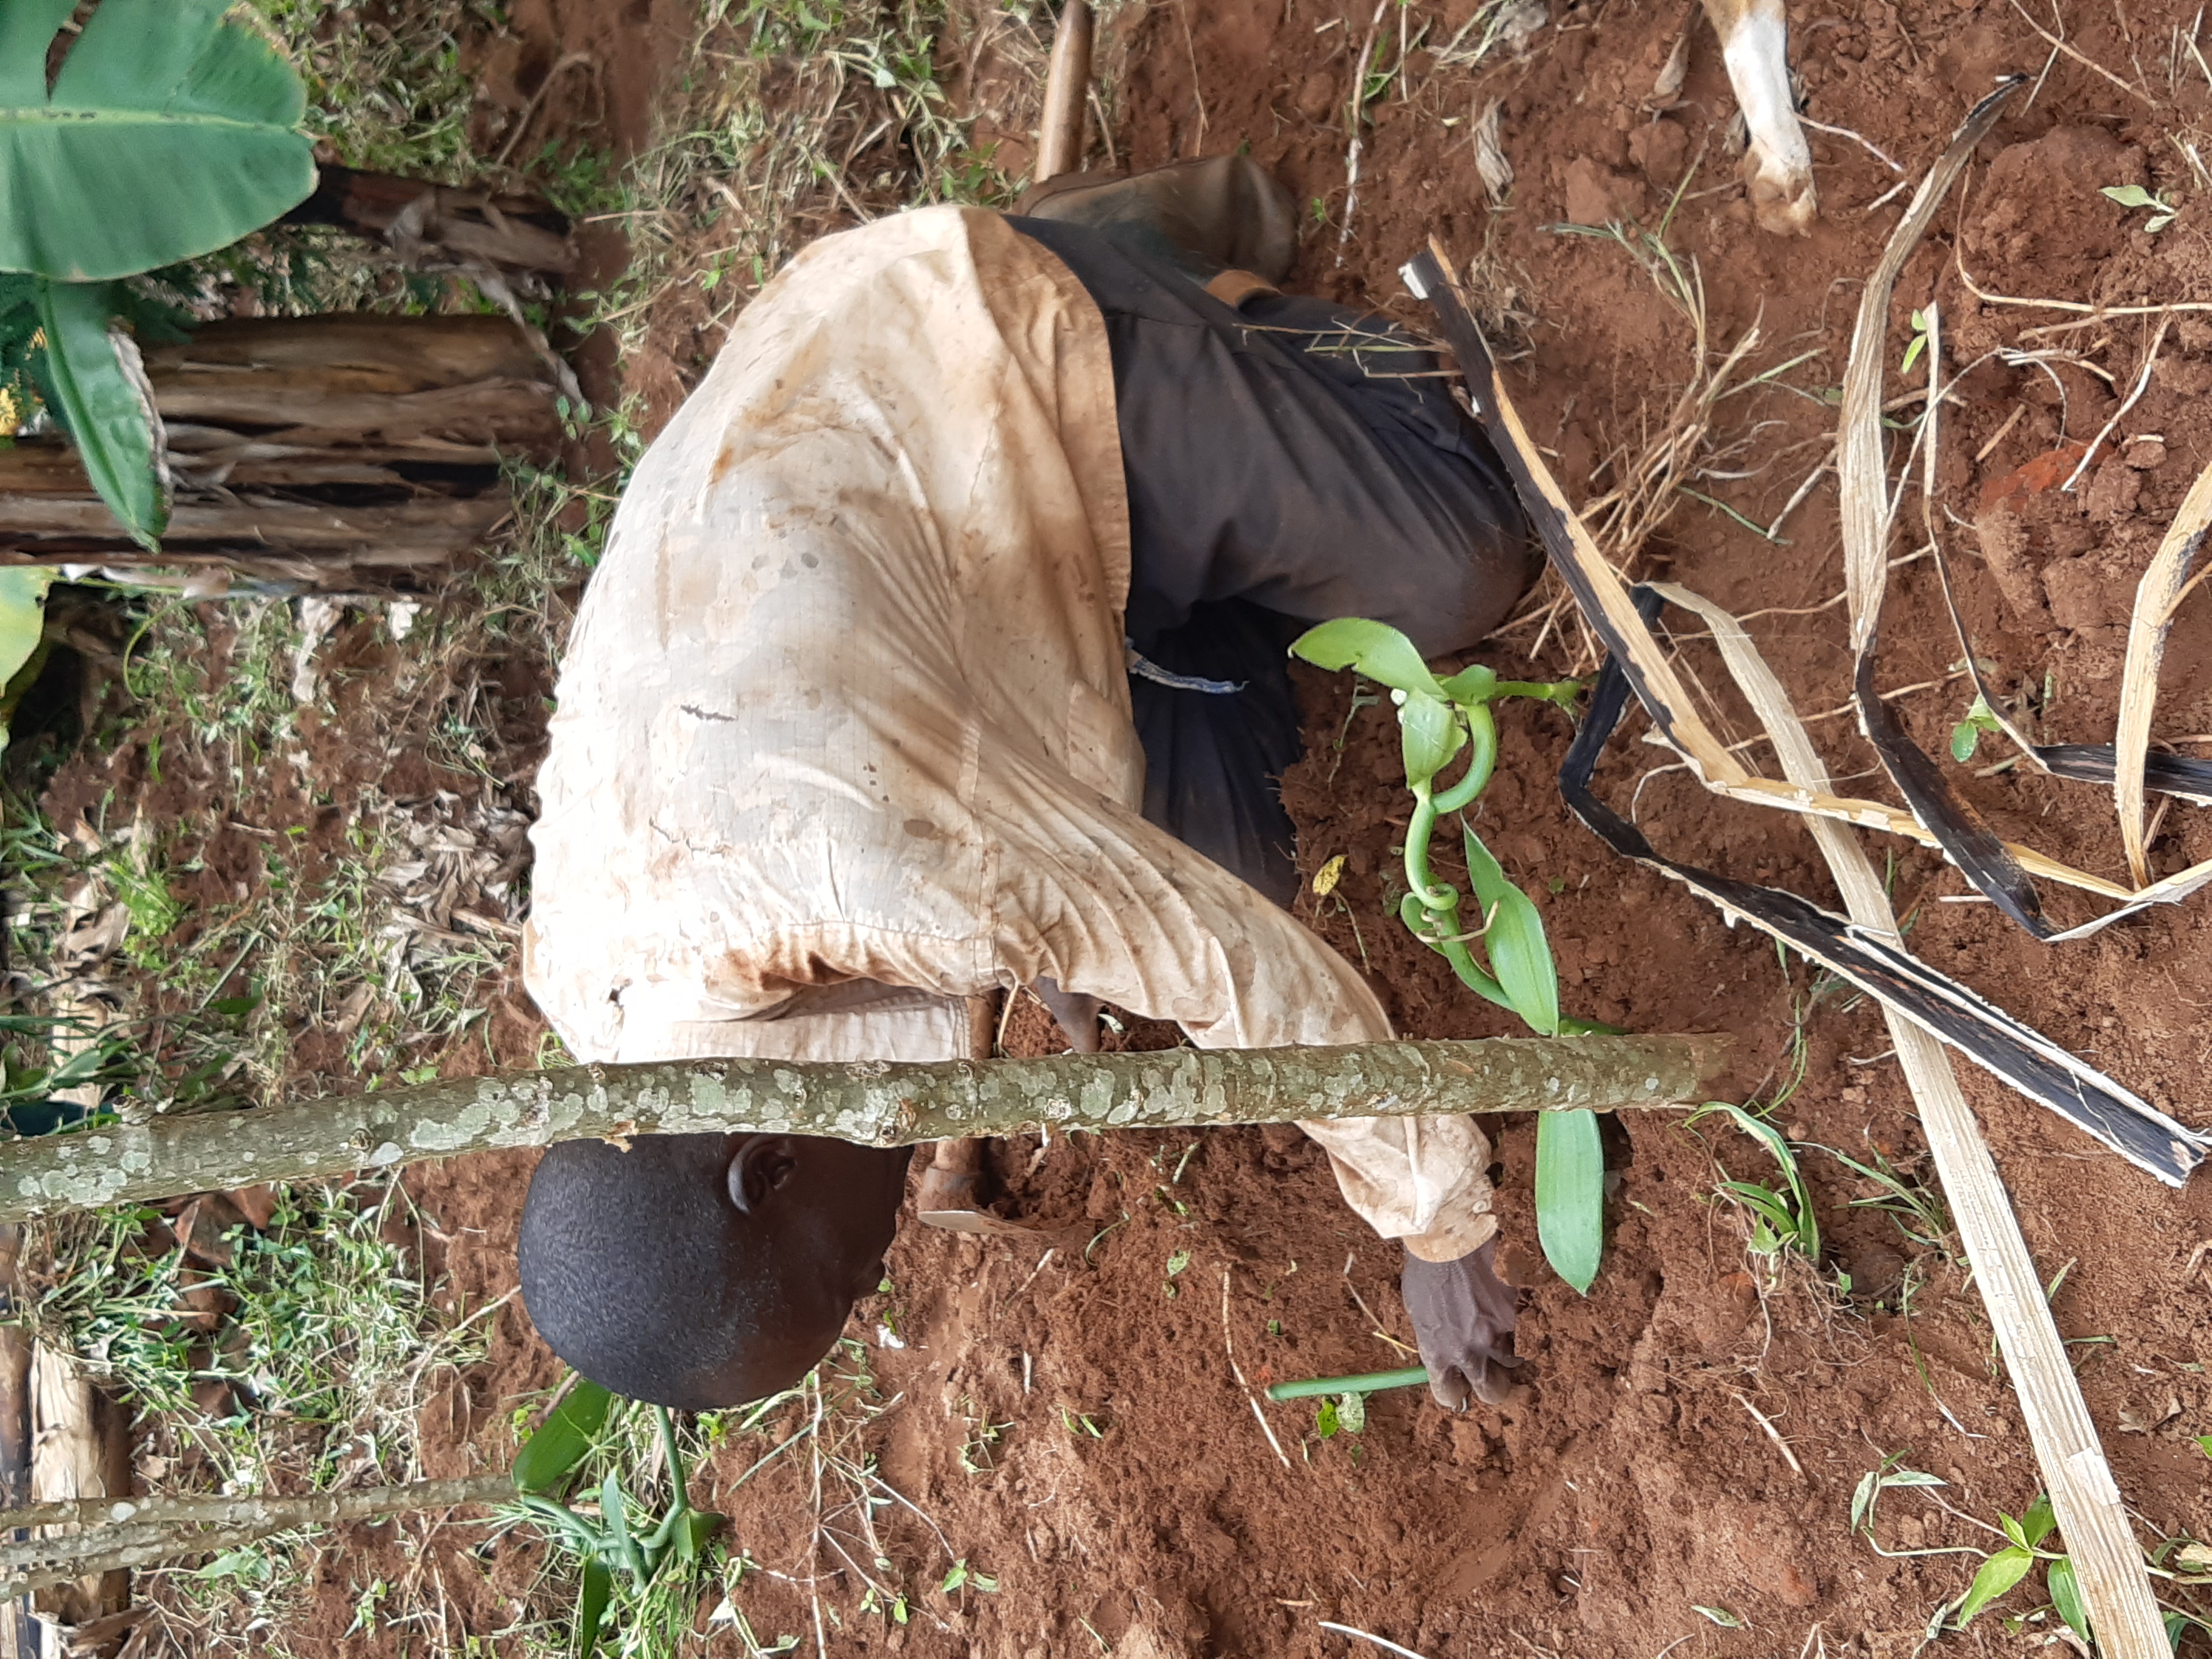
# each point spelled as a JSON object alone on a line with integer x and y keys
{"x": 872, "y": 1102}
{"x": 137, "y": 1532}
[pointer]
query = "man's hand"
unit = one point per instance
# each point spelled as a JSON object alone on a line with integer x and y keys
{"x": 1463, "y": 1317}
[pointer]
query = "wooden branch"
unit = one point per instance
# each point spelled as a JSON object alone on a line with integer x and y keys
{"x": 81, "y": 1448}
{"x": 15, "y": 1376}
{"x": 874, "y": 1103}
{"x": 1066, "y": 86}
{"x": 139, "y": 1532}
{"x": 19, "y": 1635}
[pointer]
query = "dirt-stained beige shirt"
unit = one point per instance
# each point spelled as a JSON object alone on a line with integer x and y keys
{"x": 847, "y": 700}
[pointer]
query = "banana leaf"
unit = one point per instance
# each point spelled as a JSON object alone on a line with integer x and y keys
{"x": 171, "y": 130}
{"x": 101, "y": 396}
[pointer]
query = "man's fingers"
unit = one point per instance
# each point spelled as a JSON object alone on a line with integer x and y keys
{"x": 1493, "y": 1384}
{"x": 1463, "y": 1316}
{"x": 1447, "y": 1388}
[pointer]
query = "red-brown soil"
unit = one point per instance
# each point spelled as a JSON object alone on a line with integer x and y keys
{"x": 1635, "y": 1479}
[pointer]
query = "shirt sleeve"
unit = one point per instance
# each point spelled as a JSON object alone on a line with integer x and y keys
{"x": 1422, "y": 1180}
{"x": 1110, "y": 905}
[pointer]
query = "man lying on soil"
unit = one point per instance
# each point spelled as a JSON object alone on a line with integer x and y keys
{"x": 938, "y": 651}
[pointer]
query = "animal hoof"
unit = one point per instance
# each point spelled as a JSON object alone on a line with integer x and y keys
{"x": 1783, "y": 200}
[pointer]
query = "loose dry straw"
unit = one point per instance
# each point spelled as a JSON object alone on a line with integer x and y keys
{"x": 1229, "y": 1347}
{"x": 2158, "y": 595}
{"x": 2109, "y": 1565}
{"x": 1866, "y": 522}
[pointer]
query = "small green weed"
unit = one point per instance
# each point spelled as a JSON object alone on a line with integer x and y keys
{"x": 391, "y": 97}
{"x": 799, "y": 107}
{"x": 1176, "y": 1263}
{"x": 331, "y": 1347}
{"x": 1966, "y": 735}
{"x": 1917, "y": 344}
{"x": 664, "y": 1563}
{"x": 2163, "y": 212}
{"x": 2022, "y": 1543}
{"x": 1919, "y": 1212}
{"x": 962, "y": 1576}
{"x": 1344, "y": 1412}
{"x": 978, "y": 1453}
{"x": 1781, "y": 1219}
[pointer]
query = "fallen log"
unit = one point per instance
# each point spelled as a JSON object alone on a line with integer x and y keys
{"x": 872, "y": 1103}
{"x": 343, "y": 454}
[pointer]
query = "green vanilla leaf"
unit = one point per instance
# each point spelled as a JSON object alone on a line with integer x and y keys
{"x": 1999, "y": 1574}
{"x": 1376, "y": 650}
{"x": 1326, "y": 1419}
{"x": 558, "y": 1443}
{"x": 2066, "y": 1596}
{"x": 1430, "y": 732}
{"x": 614, "y": 1516}
{"x": 172, "y": 129}
{"x": 101, "y": 397}
{"x": 591, "y": 1598}
{"x": 1473, "y": 684}
{"x": 2036, "y": 1525}
{"x": 2130, "y": 196}
{"x": 1965, "y": 738}
{"x": 1520, "y": 955}
{"x": 696, "y": 1532}
{"x": 1570, "y": 1195}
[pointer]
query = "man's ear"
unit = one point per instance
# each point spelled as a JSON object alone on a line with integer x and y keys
{"x": 757, "y": 1168}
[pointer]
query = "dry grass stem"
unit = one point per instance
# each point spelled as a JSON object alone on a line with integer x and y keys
{"x": 2092, "y": 313}
{"x": 1229, "y": 1347}
{"x": 1384, "y": 1643}
{"x": 1356, "y": 115}
{"x": 2058, "y": 44}
{"x": 1766, "y": 1424}
{"x": 1858, "y": 139}
{"x": 2142, "y": 384}
{"x": 1998, "y": 436}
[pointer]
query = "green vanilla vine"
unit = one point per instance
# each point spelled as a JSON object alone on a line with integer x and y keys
{"x": 1365, "y": 1383}
{"x": 1438, "y": 717}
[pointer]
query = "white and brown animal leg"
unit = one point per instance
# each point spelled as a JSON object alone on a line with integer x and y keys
{"x": 1778, "y": 166}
